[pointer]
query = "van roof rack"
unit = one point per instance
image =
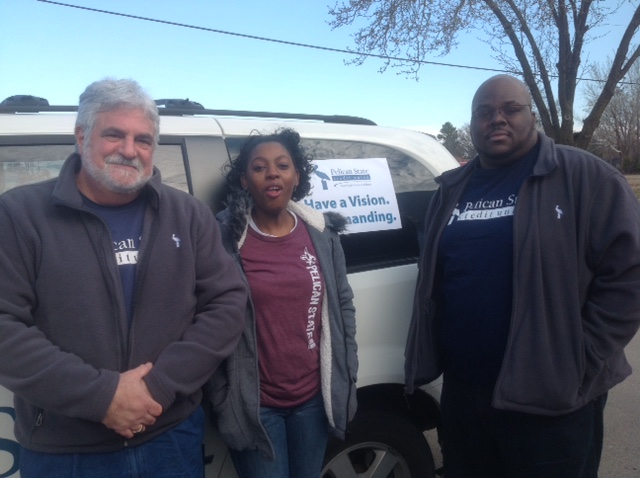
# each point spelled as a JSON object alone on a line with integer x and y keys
{"x": 24, "y": 100}
{"x": 175, "y": 107}
{"x": 175, "y": 104}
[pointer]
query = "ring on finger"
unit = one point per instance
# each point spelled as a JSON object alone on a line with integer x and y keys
{"x": 140, "y": 429}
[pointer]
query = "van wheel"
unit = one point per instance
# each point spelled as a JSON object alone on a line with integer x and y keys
{"x": 380, "y": 445}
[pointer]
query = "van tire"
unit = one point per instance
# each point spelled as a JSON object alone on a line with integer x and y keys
{"x": 380, "y": 445}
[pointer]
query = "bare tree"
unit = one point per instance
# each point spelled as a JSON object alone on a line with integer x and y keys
{"x": 617, "y": 138}
{"x": 541, "y": 40}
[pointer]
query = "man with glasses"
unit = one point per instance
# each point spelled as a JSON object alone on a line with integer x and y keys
{"x": 529, "y": 289}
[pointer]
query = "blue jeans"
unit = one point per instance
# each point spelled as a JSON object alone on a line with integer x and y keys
{"x": 299, "y": 436}
{"x": 176, "y": 453}
{"x": 479, "y": 441}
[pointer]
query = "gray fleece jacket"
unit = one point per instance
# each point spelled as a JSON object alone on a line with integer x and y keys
{"x": 235, "y": 389}
{"x": 576, "y": 284}
{"x": 64, "y": 333}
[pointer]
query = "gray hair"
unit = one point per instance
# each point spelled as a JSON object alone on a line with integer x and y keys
{"x": 111, "y": 94}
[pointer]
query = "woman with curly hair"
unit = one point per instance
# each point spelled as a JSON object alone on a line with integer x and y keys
{"x": 292, "y": 378}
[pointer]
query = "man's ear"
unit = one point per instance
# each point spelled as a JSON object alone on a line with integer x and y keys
{"x": 79, "y": 134}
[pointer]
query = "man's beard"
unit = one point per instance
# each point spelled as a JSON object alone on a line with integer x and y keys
{"x": 136, "y": 178}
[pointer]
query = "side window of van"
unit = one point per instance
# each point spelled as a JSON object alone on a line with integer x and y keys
{"x": 25, "y": 164}
{"x": 168, "y": 158}
{"x": 414, "y": 185}
{"x": 31, "y": 164}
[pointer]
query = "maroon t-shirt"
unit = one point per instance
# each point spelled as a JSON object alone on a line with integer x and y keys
{"x": 287, "y": 289}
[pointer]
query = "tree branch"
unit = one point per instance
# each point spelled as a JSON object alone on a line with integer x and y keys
{"x": 619, "y": 68}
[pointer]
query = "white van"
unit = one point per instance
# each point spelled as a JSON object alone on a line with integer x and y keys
{"x": 392, "y": 431}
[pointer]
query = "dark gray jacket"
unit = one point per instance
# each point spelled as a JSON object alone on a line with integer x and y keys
{"x": 235, "y": 388}
{"x": 64, "y": 334}
{"x": 576, "y": 284}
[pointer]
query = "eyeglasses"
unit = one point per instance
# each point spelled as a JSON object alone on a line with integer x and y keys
{"x": 510, "y": 110}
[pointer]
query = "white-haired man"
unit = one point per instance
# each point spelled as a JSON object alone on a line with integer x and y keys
{"x": 109, "y": 326}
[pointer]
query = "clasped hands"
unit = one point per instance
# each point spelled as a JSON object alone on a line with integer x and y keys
{"x": 132, "y": 408}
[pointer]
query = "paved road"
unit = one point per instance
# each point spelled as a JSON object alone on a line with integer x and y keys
{"x": 621, "y": 453}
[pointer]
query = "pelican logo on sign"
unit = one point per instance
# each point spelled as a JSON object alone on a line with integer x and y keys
{"x": 323, "y": 177}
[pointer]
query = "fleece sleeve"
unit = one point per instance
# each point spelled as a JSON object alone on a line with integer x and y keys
{"x": 32, "y": 366}
{"x": 186, "y": 364}
{"x": 611, "y": 314}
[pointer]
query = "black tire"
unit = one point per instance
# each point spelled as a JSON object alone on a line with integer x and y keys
{"x": 380, "y": 445}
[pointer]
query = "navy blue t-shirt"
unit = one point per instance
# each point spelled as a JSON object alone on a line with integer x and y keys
{"x": 125, "y": 225}
{"x": 475, "y": 270}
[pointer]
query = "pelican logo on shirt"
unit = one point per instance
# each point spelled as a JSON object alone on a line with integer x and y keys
{"x": 308, "y": 258}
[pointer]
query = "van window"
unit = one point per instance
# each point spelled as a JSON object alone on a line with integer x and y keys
{"x": 168, "y": 158}
{"x": 414, "y": 185}
{"x": 33, "y": 163}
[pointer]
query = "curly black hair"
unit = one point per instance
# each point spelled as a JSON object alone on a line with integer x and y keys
{"x": 290, "y": 140}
